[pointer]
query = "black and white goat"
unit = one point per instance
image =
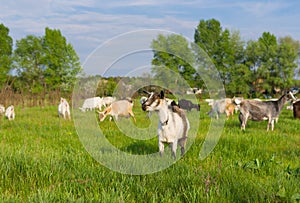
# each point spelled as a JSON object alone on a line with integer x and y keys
{"x": 262, "y": 110}
{"x": 173, "y": 125}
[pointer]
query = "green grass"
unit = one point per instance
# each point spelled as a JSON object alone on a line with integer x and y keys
{"x": 43, "y": 160}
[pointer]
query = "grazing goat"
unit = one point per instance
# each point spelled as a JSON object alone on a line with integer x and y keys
{"x": 229, "y": 110}
{"x": 2, "y": 109}
{"x": 106, "y": 101}
{"x": 188, "y": 105}
{"x": 219, "y": 107}
{"x": 10, "y": 113}
{"x": 92, "y": 103}
{"x": 173, "y": 124}
{"x": 296, "y": 109}
{"x": 262, "y": 110}
{"x": 64, "y": 109}
{"x": 116, "y": 109}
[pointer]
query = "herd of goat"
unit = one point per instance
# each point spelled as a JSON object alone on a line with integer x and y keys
{"x": 173, "y": 125}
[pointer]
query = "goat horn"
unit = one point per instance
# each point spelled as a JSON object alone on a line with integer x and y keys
{"x": 146, "y": 92}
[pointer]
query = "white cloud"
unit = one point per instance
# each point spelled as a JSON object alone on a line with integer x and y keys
{"x": 260, "y": 9}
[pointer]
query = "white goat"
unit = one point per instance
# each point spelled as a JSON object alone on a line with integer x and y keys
{"x": 116, "y": 109}
{"x": 106, "y": 101}
{"x": 64, "y": 109}
{"x": 10, "y": 113}
{"x": 92, "y": 103}
{"x": 173, "y": 124}
{"x": 219, "y": 107}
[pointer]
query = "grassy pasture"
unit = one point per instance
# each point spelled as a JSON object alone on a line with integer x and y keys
{"x": 43, "y": 160}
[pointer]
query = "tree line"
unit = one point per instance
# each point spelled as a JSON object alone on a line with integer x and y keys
{"x": 266, "y": 66}
{"x": 45, "y": 67}
{"x": 37, "y": 66}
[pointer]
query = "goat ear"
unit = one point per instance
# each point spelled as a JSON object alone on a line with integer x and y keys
{"x": 162, "y": 94}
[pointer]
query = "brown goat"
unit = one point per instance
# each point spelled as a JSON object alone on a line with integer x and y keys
{"x": 118, "y": 108}
{"x": 229, "y": 110}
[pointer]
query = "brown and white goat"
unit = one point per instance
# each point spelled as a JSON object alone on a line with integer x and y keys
{"x": 262, "y": 110}
{"x": 116, "y": 109}
{"x": 173, "y": 124}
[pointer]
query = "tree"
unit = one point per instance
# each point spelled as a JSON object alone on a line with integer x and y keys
{"x": 226, "y": 50}
{"x": 273, "y": 63}
{"x": 173, "y": 52}
{"x": 61, "y": 61}
{"x": 210, "y": 37}
{"x": 239, "y": 74}
{"x": 240, "y": 77}
{"x": 29, "y": 60}
{"x": 287, "y": 55}
{"x": 6, "y": 43}
{"x": 294, "y": 45}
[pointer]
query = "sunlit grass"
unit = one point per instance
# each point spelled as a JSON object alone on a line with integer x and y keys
{"x": 43, "y": 160}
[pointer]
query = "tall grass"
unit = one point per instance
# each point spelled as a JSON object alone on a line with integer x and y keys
{"x": 43, "y": 160}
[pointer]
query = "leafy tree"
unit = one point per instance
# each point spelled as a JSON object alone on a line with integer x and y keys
{"x": 294, "y": 45}
{"x": 239, "y": 74}
{"x": 215, "y": 42}
{"x": 240, "y": 77}
{"x": 173, "y": 52}
{"x": 273, "y": 63}
{"x": 226, "y": 50}
{"x": 268, "y": 70}
{"x": 61, "y": 61}
{"x": 287, "y": 63}
{"x": 28, "y": 57}
{"x": 6, "y": 44}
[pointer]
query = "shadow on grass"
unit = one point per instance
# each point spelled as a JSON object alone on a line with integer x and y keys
{"x": 141, "y": 148}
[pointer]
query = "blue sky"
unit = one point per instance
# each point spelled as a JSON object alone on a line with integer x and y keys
{"x": 88, "y": 23}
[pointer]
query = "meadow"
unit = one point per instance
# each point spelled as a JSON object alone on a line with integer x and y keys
{"x": 42, "y": 159}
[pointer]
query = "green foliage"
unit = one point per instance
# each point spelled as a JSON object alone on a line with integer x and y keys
{"x": 6, "y": 44}
{"x": 262, "y": 66}
{"x": 238, "y": 85}
{"x": 173, "y": 52}
{"x": 215, "y": 42}
{"x": 29, "y": 62}
{"x": 61, "y": 61}
{"x": 273, "y": 63}
{"x": 265, "y": 66}
{"x": 46, "y": 63}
